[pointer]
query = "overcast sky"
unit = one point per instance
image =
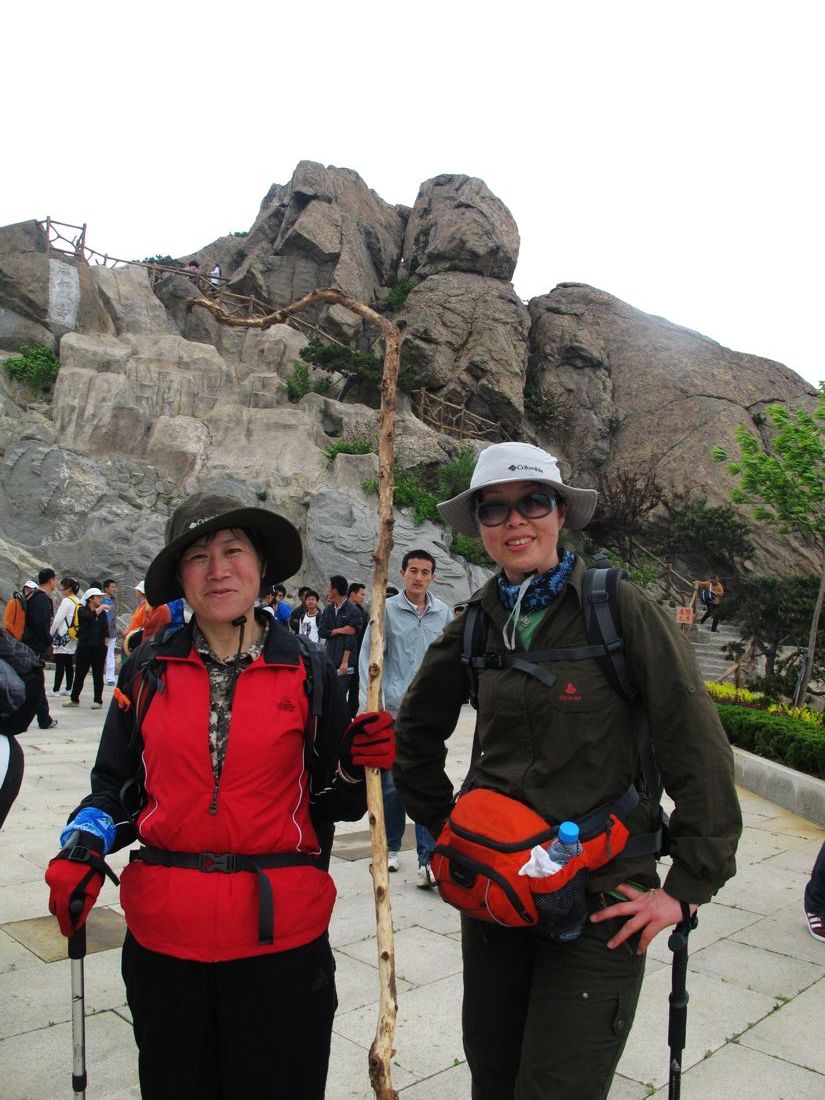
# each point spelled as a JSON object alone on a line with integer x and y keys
{"x": 670, "y": 154}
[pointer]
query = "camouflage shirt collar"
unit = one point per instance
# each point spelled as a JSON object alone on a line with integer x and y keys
{"x": 246, "y": 656}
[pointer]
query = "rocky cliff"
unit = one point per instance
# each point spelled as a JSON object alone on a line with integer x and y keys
{"x": 152, "y": 401}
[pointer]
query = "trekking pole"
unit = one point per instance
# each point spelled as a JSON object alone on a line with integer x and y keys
{"x": 77, "y": 953}
{"x": 679, "y": 997}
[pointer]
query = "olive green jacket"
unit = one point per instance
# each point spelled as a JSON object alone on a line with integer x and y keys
{"x": 568, "y": 749}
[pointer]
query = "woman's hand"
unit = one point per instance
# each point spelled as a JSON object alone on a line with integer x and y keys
{"x": 647, "y": 912}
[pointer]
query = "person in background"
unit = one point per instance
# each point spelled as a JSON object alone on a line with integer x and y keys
{"x": 38, "y": 634}
{"x": 543, "y": 1017}
{"x": 412, "y": 621}
{"x": 142, "y": 609}
{"x": 356, "y": 593}
{"x": 92, "y": 638}
{"x": 21, "y": 683}
{"x": 815, "y": 898}
{"x": 711, "y": 593}
{"x": 309, "y": 617}
{"x": 110, "y": 603}
{"x": 298, "y": 610}
{"x": 281, "y": 608}
{"x": 339, "y": 625}
{"x": 14, "y": 617}
{"x": 64, "y": 635}
{"x": 230, "y": 978}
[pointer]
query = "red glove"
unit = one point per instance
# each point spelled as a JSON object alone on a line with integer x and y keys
{"x": 75, "y": 883}
{"x": 373, "y": 740}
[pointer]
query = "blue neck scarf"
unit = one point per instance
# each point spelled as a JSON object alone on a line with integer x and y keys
{"x": 534, "y": 593}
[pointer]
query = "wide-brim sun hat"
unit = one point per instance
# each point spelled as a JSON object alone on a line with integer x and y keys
{"x": 90, "y": 592}
{"x": 140, "y": 587}
{"x": 505, "y": 462}
{"x": 204, "y": 513}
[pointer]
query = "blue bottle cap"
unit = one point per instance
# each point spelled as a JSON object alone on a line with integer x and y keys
{"x": 568, "y": 832}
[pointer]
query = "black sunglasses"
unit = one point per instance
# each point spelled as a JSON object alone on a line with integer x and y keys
{"x": 492, "y": 513}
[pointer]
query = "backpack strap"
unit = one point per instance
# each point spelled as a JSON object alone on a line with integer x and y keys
{"x": 314, "y": 665}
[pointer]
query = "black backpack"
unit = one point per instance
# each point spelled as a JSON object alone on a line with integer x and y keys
{"x": 602, "y": 619}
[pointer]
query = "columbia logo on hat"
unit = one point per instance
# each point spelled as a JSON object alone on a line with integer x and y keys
{"x": 535, "y": 469}
{"x": 198, "y": 522}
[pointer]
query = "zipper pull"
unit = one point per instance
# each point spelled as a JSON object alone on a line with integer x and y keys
{"x": 213, "y": 805}
{"x": 608, "y": 829}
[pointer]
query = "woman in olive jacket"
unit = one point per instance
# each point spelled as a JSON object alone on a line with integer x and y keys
{"x": 541, "y": 1017}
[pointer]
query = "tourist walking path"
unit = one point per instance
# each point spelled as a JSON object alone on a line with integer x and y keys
{"x": 756, "y": 978}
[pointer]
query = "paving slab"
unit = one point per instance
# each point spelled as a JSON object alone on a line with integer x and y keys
{"x": 37, "y": 1065}
{"x": 794, "y": 1031}
{"x": 718, "y": 1011}
{"x": 756, "y": 968}
{"x": 736, "y": 1071}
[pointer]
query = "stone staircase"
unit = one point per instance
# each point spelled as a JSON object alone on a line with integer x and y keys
{"x": 708, "y": 648}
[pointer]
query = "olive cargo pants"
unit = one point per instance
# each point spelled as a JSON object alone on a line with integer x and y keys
{"x": 544, "y": 1020}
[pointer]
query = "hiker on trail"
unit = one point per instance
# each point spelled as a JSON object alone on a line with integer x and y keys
{"x": 542, "y": 1017}
{"x": 710, "y": 594}
{"x": 240, "y": 760}
{"x": 38, "y": 634}
{"x": 64, "y": 635}
{"x": 412, "y": 620}
{"x": 90, "y": 653}
{"x": 215, "y": 276}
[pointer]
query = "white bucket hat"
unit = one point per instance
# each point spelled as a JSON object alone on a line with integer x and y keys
{"x": 91, "y": 592}
{"x": 140, "y": 587}
{"x": 505, "y": 462}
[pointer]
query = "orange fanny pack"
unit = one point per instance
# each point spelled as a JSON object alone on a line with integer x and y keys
{"x": 489, "y": 836}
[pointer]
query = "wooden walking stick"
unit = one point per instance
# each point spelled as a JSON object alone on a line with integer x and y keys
{"x": 382, "y": 1045}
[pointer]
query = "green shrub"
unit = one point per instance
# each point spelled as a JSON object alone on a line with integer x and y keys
{"x": 299, "y": 383}
{"x": 239, "y": 233}
{"x": 37, "y": 366}
{"x": 398, "y": 294}
{"x": 798, "y": 745}
{"x": 360, "y": 445}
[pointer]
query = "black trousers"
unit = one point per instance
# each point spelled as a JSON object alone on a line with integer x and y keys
{"x": 544, "y": 1020}
{"x": 248, "y": 1029}
{"x": 63, "y": 663}
{"x": 89, "y": 657}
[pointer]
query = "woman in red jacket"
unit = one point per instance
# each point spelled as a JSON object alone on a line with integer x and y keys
{"x": 231, "y": 776}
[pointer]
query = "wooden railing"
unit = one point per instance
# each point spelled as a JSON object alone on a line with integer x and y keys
{"x": 452, "y": 419}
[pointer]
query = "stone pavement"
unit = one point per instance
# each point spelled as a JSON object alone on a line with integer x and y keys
{"x": 756, "y": 979}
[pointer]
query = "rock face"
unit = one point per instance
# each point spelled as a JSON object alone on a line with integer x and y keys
{"x": 632, "y": 391}
{"x": 324, "y": 228}
{"x": 465, "y": 338}
{"x": 458, "y": 224}
{"x": 153, "y": 402}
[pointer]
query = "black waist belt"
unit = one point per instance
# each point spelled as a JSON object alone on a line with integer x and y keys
{"x": 646, "y": 844}
{"x": 227, "y": 863}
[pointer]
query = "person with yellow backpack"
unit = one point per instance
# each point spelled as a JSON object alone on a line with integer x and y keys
{"x": 64, "y": 635}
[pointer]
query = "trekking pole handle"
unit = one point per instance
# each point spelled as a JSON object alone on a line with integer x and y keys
{"x": 77, "y": 941}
